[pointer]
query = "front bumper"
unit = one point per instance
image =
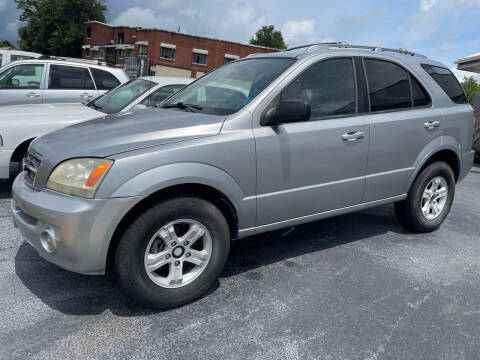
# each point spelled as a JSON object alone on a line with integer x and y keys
{"x": 82, "y": 227}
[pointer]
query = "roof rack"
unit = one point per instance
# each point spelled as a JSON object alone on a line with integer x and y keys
{"x": 81, "y": 61}
{"x": 345, "y": 45}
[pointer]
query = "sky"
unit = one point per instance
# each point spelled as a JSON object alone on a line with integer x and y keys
{"x": 444, "y": 30}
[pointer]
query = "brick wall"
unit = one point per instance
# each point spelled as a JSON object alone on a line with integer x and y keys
{"x": 102, "y": 34}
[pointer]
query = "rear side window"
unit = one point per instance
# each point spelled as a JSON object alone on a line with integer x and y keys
{"x": 328, "y": 86}
{"x": 388, "y": 86}
{"x": 104, "y": 80}
{"x": 448, "y": 82}
{"x": 69, "y": 78}
{"x": 20, "y": 57}
{"x": 419, "y": 94}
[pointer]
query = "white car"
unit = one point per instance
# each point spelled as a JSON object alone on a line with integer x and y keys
{"x": 20, "y": 124}
{"x": 49, "y": 79}
{"x": 8, "y": 56}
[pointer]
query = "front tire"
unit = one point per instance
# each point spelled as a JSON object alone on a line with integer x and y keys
{"x": 429, "y": 199}
{"x": 173, "y": 252}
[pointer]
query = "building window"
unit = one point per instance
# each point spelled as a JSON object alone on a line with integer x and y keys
{"x": 199, "y": 57}
{"x": 121, "y": 54}
{"x": 120, "y": 38}
{"x": 142, "y": 50}
{"x": 98, "y": 54}
{"x": 87, "y": 52}
{"x": 229, "y": 58}
{"x": 167, "y": 53}
{"x": 128, "y": 53}
{"x": 89, "y": 32}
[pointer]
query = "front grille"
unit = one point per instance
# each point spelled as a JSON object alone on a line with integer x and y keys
{"x": 32, "y": 163}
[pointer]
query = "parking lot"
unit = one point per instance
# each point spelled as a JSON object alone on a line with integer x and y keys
{"x": 353, "y": 287}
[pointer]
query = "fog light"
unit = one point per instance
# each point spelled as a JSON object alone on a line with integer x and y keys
{"x": 48, "y": 240}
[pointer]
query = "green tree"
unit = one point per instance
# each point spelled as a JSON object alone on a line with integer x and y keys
{"x": 268, "y": 36}
{"x": 471, "y": 87}
{"x": 55, "y": 27}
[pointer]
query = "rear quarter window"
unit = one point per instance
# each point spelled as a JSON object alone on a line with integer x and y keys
{"x": 448, "y": 82}
{"x": 104, "y": 80}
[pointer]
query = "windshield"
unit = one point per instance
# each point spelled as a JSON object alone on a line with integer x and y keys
{"x": 116, "y": 99}
{"x": 231, "y": 87}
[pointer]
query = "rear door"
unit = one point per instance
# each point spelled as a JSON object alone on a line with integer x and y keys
{"x": 22, "y": 84}
{"x": 402, "y": 123}
{"x": 69, "y": 84}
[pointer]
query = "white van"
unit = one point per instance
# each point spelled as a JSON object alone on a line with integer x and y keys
{"x": 8, "y": 56}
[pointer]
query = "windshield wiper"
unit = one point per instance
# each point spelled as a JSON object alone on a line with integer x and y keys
{"x": 181, "y": 105}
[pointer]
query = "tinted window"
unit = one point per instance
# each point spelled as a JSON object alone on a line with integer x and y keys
{"x": 161, "y": 94}
{"x": 328, "y": 86}
{"x": 448, "y": 82}
{"x": 1, "y": 57}
{"x": 420, "y": 95}
{"x": 229, "y": 88}
{"x": 26, "y": 76}
{"x": 104, "y": 80}
{"x": 69, "y": 78}
{"x": 388, "y": 85}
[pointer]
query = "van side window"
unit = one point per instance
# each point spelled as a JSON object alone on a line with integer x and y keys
{"x": 329, "y": 87}
{"x": 24, "y": 76}
{"x": 69, "y": 77}
{"x": 104, "y": 80}
{"x": 388, "y": 85}
{"x": 448, "y": 82}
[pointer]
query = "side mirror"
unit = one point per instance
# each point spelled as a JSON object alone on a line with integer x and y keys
{"x": 286, "y": 111}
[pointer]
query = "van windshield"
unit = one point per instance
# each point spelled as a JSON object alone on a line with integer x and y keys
{"x": 229, "y": 88}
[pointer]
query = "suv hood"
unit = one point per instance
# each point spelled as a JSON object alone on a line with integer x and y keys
{"x": 118, "y": 133}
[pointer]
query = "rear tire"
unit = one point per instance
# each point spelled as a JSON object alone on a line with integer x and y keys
{"x": 159, "y": 237}
{"x": 429, "y": 199}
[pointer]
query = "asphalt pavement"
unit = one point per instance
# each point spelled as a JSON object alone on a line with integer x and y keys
{"x": 358, "y": 286}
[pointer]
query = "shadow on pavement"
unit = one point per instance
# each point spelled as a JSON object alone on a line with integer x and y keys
{"x": 76, "y": 294}
{"x": 5, "y": 189}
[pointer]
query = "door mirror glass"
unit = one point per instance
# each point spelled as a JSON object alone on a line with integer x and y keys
{"x": 286, "y": 111}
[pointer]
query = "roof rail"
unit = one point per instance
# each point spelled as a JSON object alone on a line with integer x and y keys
{"x": 81, "y": 61}
{"x": 345, "y": 45}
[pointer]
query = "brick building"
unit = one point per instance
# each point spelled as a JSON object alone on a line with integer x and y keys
{"x": 170, "y": 53}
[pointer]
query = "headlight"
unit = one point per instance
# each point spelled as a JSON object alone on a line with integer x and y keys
{"x": 79, "y": 177}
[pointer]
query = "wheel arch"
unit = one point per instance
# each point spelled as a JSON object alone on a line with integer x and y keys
{"x": 206, "y": 192}
{"x": 444, "y": 149}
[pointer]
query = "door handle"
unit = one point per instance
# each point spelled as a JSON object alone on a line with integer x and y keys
{"x": 86, "y": 95}
{"x": 432, "y": 124}
{"x": 32, "y": 95}
{"x": 353, "y": 136}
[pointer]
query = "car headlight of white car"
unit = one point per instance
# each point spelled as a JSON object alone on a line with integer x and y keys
{"x": 79, "y": 177}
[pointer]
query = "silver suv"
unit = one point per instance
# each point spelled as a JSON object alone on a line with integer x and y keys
{"x": 56, "y": 80}
{"x": 262, "y": 143}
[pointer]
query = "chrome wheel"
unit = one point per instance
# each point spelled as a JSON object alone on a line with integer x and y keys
{"x": 434, "y": 198}
{"x": 178, "y": 253}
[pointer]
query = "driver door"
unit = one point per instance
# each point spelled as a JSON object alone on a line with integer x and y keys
{"x": 310, "y": 167}
{"x": 22, "y": 84}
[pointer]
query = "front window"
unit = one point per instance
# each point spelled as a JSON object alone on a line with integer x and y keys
{"x": 115, "y": 100}
{"x": 229, "y": 88}
{"x": 161, "y": 94}
{"x": 28, "y": 76}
